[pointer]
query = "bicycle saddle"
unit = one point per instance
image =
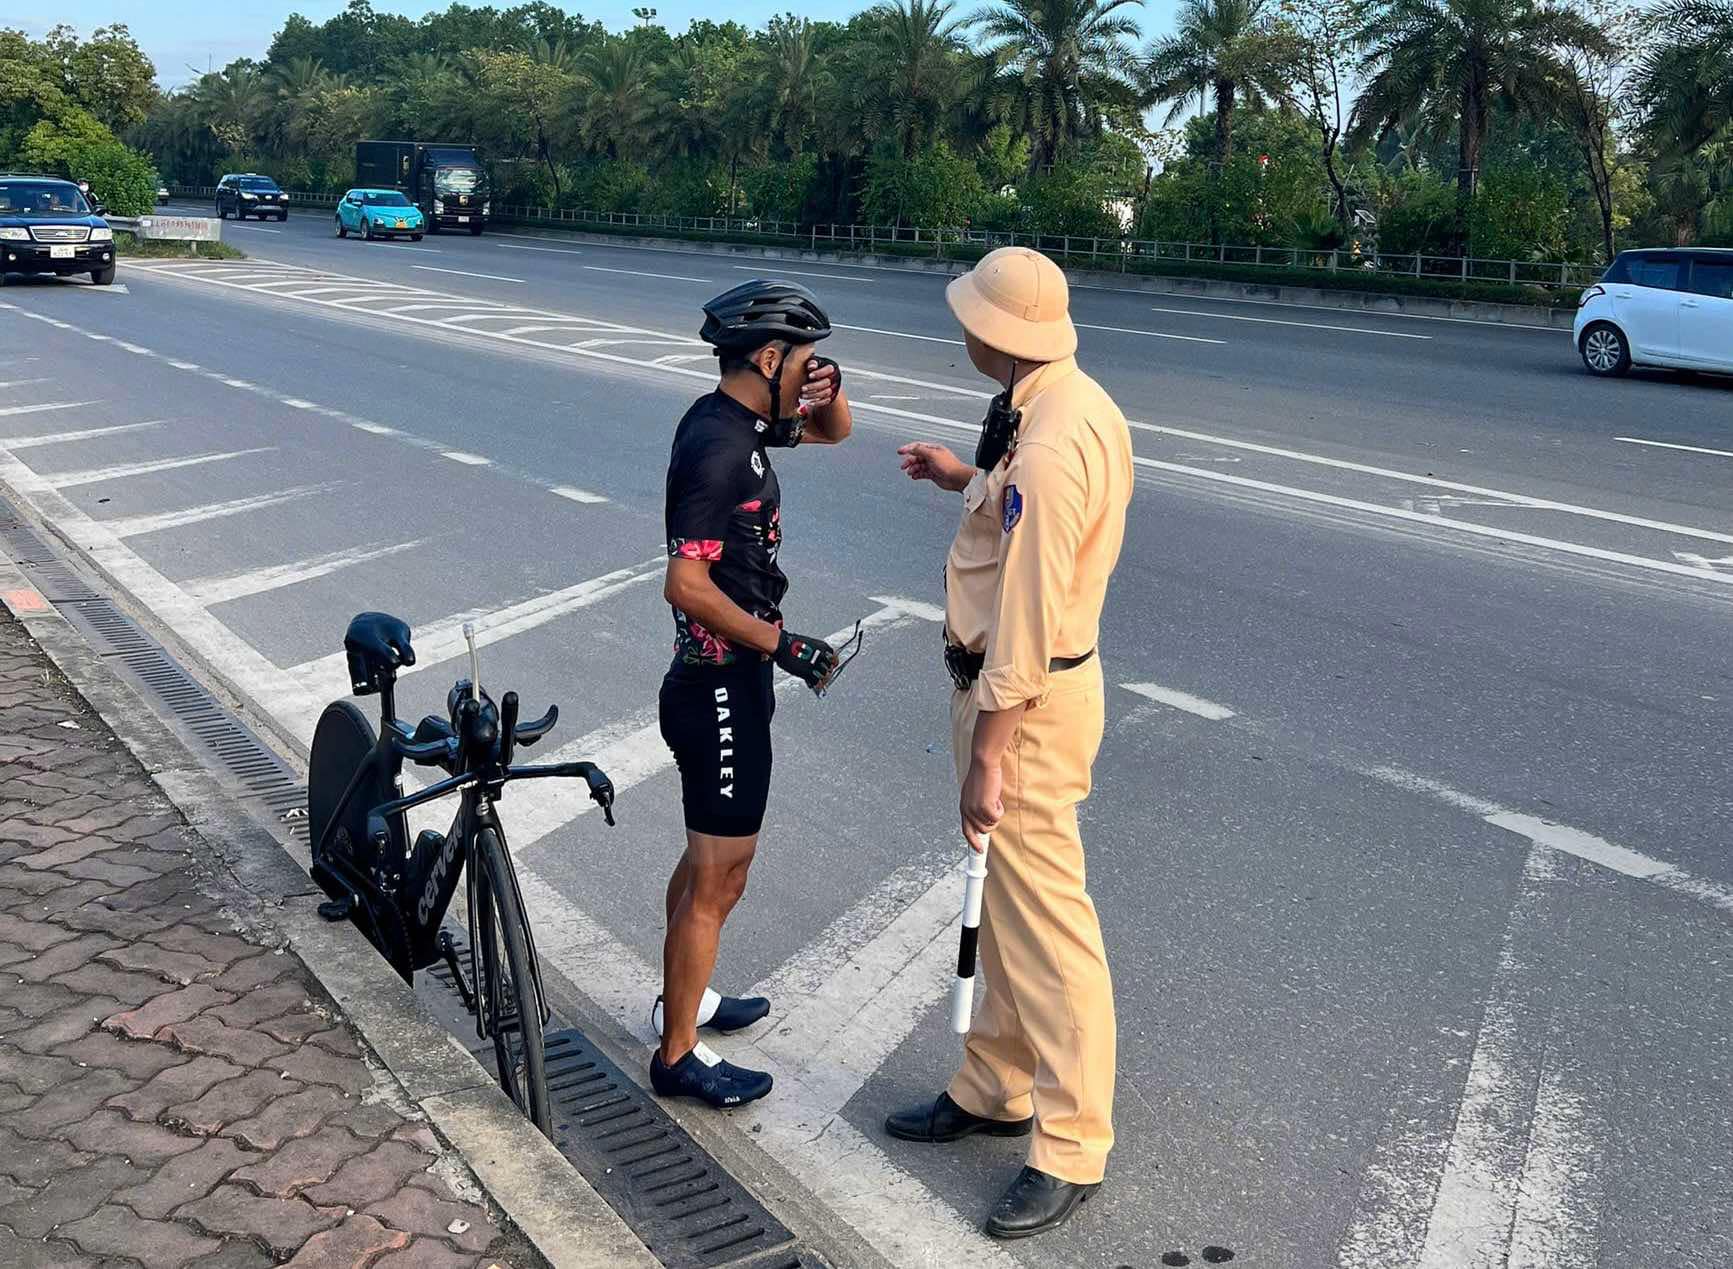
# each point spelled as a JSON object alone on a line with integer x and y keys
{"x": 376, "y": 643}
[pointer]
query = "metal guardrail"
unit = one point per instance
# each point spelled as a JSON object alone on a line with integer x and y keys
{"x": 1123, "y": 255}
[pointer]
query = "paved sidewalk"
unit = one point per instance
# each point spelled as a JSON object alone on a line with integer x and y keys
{"x": 174, "y": 1089}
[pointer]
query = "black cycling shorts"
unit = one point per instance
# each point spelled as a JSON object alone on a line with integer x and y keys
{"x": 716, "y": 720}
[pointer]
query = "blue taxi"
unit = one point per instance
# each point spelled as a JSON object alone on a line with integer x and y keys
{"x": 379, "y": 213}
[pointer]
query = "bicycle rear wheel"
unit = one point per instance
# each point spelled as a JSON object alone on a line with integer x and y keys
{"x": 506, "y": 983}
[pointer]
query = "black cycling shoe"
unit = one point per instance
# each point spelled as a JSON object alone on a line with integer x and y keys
{"x": 703, "y": 1075}
{"x": 732, "y": 1013}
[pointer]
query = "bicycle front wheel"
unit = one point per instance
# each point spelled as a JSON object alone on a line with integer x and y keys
{"x": 507, "y": 980}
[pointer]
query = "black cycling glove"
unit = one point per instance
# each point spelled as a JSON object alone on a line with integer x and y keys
{"x": 810, "y": 660}
{"x": 836, "y": 378}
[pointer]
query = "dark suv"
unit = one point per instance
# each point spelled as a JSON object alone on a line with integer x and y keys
{"x": 46, "y": 226}
{"x": 249, "y": 194}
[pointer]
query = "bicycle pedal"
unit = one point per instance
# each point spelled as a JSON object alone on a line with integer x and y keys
{"x": 337, "y": 909}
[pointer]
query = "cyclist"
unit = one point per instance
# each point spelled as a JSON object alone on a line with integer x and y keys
{"x": 724, "y": 523}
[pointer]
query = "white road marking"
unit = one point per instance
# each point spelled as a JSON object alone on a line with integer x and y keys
{"x": 1389, "y": 473}
{"x": 1321, "y": 308}
{"x": 1153, "y": 334}
{"x": 133, "y": 526}
{"x": 575, "y": 494}
{"x": 234, "y": 383}
{"x": 296, "y": 403}
{"x": 211, "y": 591}
{"x": 19, "y": 383}
{"x": 1180, "y": 700}
{"x": 557, "y": 251}
{"x": 1558, "y": 1205}
{"x": 467, "y": 459}
{"x": 1564, "y": 839}
{"x": 899, "y": 334}
{"x": 324, "y": 678}
{"x": 258, "y": 229}
{"x": 61, "y": 438}
{"x": 122, "y": 471}
{"x": 376, "y": 429}
{"x": 398, "y": 246}
{"x": 802, "y": 273}
{"x": 8, "y": 411}
{"x": 638, "y": 273}
{"x": 1693, "y": 449}
{"x": 1277, "y": 321}
{"x": 462, "y": 273}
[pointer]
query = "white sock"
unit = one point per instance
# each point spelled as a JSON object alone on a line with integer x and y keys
{"x": 707, "y": 1007}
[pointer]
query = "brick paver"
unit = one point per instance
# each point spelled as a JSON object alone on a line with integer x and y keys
{"x": 172, "y": 1092}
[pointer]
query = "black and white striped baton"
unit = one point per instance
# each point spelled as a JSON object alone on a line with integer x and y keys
{"x": 963, "y": 990}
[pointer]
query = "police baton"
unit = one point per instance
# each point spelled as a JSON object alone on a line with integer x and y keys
{"x": 963, "y": 990}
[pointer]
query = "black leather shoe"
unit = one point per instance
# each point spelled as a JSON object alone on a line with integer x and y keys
{"x": 944, "y": 1120}
{"x": 1036, "y": 1203}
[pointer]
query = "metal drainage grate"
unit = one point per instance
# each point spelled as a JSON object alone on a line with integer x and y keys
{"x": 259, "y": 775}
{"x": 677, "y": 1199}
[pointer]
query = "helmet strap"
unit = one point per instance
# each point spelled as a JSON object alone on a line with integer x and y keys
{"x": 780, "y": 432}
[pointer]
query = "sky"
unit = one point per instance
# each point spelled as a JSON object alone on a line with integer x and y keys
{"x": 184, "y": 36}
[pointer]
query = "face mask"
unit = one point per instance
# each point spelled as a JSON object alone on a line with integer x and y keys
{"x": 998, "y": 429}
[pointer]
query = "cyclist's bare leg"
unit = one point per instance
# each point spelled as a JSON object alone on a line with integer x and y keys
{"x": 677, "y": 885}
{"x": 716, "y": 877}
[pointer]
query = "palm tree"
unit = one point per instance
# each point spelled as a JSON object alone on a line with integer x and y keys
{"x": 620, "y": 104}
{"x": 296, "y": 86}
{"x": 914, "y": 77}
{"x": 231, "y": 104}
{"x": 1224, "y": 51}
{"x": 1685, "y": 82}
{"x": 1064, "y": 60}
{"x": 791, "y": 79}
{"x": 1445, "y": 61}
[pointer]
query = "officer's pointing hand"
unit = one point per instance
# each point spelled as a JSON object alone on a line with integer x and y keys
{"x": 982, "y": 802}
{"x": 923, "y": 460}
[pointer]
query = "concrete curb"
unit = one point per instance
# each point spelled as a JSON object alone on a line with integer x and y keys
{"x": 1517, "y": 315}
{"x": 537, "y": 1189}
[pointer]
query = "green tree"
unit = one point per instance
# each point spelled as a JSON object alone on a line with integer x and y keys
{"x": 1322, "y": 44}
{"x": 1223, "y": 51}
{"x": 74, "y": 143}
{"x": 1061, "y": 61}
{"x": 912, "y": 69}
{"x": 535, "y": 88}
{"x": 935, "y": 187}
{"x": 792, "y": 76}
{"x": 1447, "y": 60}
{"x": 620, "y": 102}
{"x": 108, "y": 74}
{"x": 1596, "y": 91}
{"x": 1685, "y": 81}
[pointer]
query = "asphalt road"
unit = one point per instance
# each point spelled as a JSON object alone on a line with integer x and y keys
{"x": 1410, "y": 830}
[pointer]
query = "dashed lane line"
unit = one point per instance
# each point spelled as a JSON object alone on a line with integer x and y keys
{"x": 1180, "y": 700}
{"x": 1277, "y": 321}
{"x": 1153, "y": 334}
{"x": 639, "y": 273}
{"x": 802, "y": 273}
{"x": 465, "y": 273}
{"x": 1690, "y": 449}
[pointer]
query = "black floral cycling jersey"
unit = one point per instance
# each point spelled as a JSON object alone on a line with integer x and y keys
{"x": 724, "y": 505}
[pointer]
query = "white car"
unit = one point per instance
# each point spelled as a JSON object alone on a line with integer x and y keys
{"x": 1663, "y": 307}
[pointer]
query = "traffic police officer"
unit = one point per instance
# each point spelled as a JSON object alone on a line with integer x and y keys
{"x": 1043, "y": 519}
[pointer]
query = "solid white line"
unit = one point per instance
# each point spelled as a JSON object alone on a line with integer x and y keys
{"x": 1180, "y": 700}
{"x": 132, "y": 526}
{"x": 467, "y": 459}
{"x": 1565, "y": 840}
{"x": 211, "y": 591}
{"x": 1457, "y": 526}
{"x": 1693, "y": 449}
{"x": 60, "y": 438}
{"x": 121, "y": 471}
{"x": 10, "y": 410}
{"x": 1474, "y": 1211}
{"x": 491, "y": 277}
{"x": 1153, "y": 334}
{"x": 1342, "y": 464}
{"x": 1277, "y": 321}
{"x": 899, "y": 334}
{"x": 575, "y": 494}
{"x": 802, "y": 273}
{"x": 19, "y": 383}
{"x": 1558, "y": 1205}
{"x": 636, "y": 273}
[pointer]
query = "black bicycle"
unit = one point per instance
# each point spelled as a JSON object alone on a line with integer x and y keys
{"x": 398, "y": 893}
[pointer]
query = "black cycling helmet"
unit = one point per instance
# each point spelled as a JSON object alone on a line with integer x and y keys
{"x": 759, "y": 312}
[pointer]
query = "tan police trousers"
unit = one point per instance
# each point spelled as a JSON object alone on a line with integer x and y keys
{"x": 1043, "y": 1041}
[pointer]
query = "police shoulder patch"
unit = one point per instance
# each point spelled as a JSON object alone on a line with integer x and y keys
{"x": 1011, "y": 507}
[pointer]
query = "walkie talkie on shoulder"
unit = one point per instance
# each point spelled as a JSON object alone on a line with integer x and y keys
{"x": 999, "y": 428}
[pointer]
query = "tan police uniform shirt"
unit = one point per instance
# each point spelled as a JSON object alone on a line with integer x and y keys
{"x": 1027, "y": 573}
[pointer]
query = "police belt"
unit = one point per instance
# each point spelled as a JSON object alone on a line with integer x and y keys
{"x": 965, "y": 666}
